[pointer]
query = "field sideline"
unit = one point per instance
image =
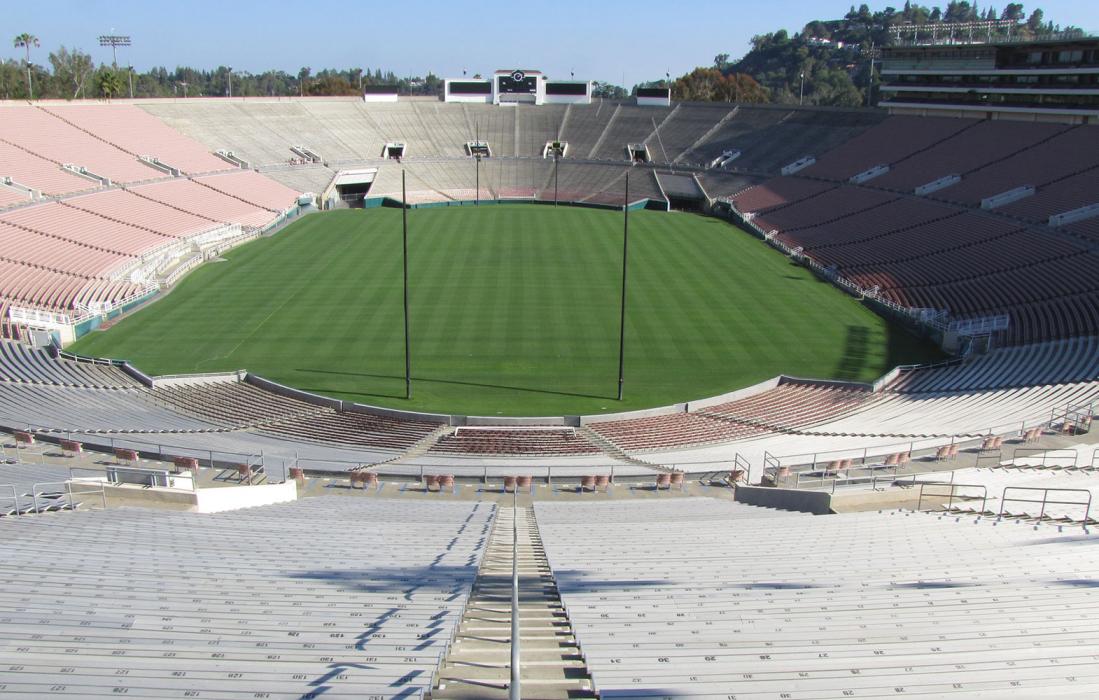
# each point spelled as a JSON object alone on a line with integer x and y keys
{"x": 514, "y": 311}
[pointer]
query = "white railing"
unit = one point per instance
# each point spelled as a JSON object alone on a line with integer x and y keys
{"x": 37, "y": 317}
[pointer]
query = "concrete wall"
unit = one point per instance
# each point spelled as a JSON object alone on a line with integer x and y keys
{"x": 283, "y": 390}
{"x": 814, "y": 502}
{"x": 217, "y": 500}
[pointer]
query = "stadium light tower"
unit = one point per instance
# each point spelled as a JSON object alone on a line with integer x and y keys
{"x": 114, "y": 41}
{"x": 801, "y": 94}
{"x": 230, "y": 81}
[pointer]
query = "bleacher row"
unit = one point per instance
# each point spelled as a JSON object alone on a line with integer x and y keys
{"x": 75, "y": 249}
{"x": 941, "y": 250}
{"x": 265, "y": 602}
{"x": 753, "y": 603}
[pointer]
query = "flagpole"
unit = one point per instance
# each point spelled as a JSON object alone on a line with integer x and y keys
{"x": 404, "y": 245}
{"x": 622, "y": 317}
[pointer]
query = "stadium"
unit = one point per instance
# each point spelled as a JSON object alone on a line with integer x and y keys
{"x": 514, "y": 391}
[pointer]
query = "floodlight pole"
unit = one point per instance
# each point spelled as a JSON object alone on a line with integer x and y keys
{"x": 477, "y": 168}
{"x": 622, "y": 317}
{"x": 404, "y": 246}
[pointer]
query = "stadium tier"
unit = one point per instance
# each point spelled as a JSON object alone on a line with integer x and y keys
{"x": 99, "y": 403}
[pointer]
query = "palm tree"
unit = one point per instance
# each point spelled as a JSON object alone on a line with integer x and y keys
{"x": 26, "y": 41}
{"x": 109, "y": 83}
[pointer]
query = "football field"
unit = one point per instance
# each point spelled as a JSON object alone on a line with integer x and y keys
{"x": 514, "y": 310}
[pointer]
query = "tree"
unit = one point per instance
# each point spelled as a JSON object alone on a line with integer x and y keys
{"x": 710, "y": 85}
{"x": 1014, "y": 10}
{"x": 608, "y": 91}
{"x": 109, "y": 83}
{"x": 71, "y": 68}
{"x": 303, "y": 75}
{"x": 27, "y": 41}
{"x": 1034, "y": 24}
{"x": 721, "y": 61}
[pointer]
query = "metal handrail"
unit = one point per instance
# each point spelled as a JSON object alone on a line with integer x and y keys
{"x": 69, "y": 490}
{"x": 1045, "y": 452}
{"x": 1045, "y": 499}
{"x": 740, "y": 462}
{"x": 950, "y": 495}
{"x": 14, "y": 495}
{"x": 513, "y": 689}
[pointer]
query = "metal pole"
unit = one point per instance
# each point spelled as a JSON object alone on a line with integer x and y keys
{"x": 556, "y": 165}
{"x": 622, "y": 317}
{"x": 477, "y": 195}
{"x": 513, "y": 689}
{"x": 404, "y": 244}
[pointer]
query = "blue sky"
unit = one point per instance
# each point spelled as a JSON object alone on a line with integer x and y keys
{"x": 608, "y": 40}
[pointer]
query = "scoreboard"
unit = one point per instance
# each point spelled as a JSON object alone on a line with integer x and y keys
{"x": 517, "y": 83}
{"x": 516, "y": 86}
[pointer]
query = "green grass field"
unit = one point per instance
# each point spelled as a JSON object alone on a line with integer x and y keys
{"x": 514, "y": 311}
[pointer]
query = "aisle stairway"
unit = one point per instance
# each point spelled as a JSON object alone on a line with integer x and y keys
{"x": 478, "y": 664}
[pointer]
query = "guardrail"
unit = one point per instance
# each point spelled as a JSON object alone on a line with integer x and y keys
{"x": 1044, "y": 500}
{"x": 1047, "y": 454}
{"x": 951, "y": 493}
{"x": 68, "y": 489}
{"x": 14, "y": 496}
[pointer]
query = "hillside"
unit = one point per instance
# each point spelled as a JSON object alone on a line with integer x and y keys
{"x": 834, "y": 56}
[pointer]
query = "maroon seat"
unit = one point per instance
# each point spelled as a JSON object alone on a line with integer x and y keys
{"x": 676, "y": 479}
{"x": 297, "y": 474}
{"x": 602, "y": 481}
{"x": 663, "y": 480}
{"x": 189, "y": 463}
{"x": 446, "y": 481}
{"x": 587, "y": 483}
{"x": 509, "y": 483}
{"x": 525, "y": 482}
{"x": 430, "y": 480}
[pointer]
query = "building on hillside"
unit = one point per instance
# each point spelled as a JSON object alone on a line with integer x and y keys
{"x": 1047, "y": 80}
